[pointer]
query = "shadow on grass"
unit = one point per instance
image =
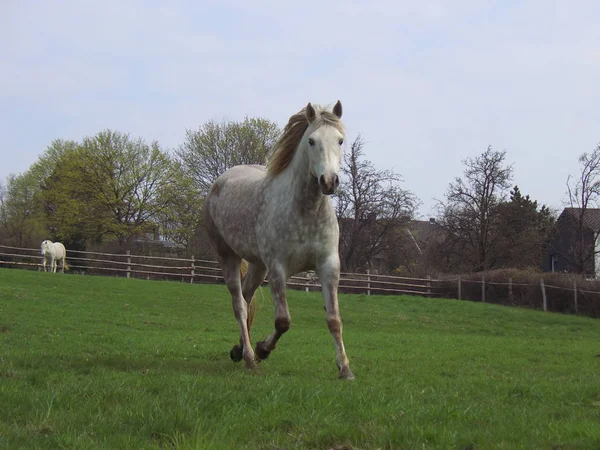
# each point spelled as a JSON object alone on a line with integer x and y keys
{"x": 210, "y": 364}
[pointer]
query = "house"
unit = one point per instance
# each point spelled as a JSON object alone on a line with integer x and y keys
{"x": 575, "y": 246}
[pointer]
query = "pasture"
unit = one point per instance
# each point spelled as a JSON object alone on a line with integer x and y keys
{"x": 99, "y": 362}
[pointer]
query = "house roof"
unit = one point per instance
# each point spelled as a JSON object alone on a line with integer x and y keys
{"x": 591, "y": 217}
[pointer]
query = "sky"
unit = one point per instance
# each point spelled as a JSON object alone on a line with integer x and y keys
{"x": 426, "y": 84}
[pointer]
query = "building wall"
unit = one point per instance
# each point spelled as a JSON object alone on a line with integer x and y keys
{"x": 597, "y": 256}
{"x": 563, "y": 243}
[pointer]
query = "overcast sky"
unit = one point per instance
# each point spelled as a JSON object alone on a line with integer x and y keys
{"x": 427, "y": 84}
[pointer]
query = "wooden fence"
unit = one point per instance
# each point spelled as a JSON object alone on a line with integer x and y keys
{"x": 569, "y": 298}
{"x": 205, "y": 271}
{"x": 565, "y": 293}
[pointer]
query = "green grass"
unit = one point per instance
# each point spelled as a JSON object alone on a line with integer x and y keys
{"x": 98, "y": 362}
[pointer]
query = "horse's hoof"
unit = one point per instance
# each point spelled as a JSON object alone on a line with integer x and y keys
{"x": 251, "y": 365}
{"x": 346, "y": 374}
{"x": 236, "y": 353}
{"x": 261, "y": 351}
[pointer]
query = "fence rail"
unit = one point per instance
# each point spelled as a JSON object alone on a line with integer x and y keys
{"x": 205, "y": 271}
{"x": 540, "y": 294}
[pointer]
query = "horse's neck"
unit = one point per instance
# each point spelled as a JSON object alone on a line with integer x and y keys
{"x": 305, "y": 188}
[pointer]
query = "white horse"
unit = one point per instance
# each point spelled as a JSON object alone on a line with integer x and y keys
{"x": 53, "y": 252}
{"x": 280, "y": 219}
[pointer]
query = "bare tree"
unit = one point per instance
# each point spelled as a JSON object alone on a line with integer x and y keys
{"x": 583, "y": 194}
{"x": 469, "y": 212}
{"x": 215, "y": 147}
{"x": 371, "y": 209}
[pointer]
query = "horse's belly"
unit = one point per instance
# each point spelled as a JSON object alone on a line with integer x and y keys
{"x": 301, "y": 262}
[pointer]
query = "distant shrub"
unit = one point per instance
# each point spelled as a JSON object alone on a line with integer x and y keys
{"x": 526, "y": 290}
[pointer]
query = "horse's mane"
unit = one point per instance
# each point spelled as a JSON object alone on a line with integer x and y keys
{"x": 292, "y": 134}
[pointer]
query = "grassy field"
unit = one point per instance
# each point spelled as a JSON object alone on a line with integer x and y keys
{"x": 97, "y": 362}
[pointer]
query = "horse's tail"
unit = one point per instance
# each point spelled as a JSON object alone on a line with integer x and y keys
{"x": 253, "y": 305}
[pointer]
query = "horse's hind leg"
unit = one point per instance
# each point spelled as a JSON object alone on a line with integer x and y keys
{"x": 254, "y": 277}
{"x": 230, "y": 263}
{"x": 231, "y": 273}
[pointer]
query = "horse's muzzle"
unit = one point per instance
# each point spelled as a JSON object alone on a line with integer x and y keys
{"x": 329, "y": 184}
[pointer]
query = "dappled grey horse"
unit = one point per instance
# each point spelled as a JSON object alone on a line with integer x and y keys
{"x": 280, "y": 219}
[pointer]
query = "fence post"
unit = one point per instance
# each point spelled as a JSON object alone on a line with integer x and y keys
{"x": 483, "y": 289}
{"x": 428, "y": 285}
{"x": 510, "y": 292}
{"x": 368, "y": 282}
{"x": 575, "y": 294}
{"x": 459, "y": 289}
{"x": 128, "y": 253}
{"x": 193, "y": 267}
{"x": 544, "y": 295}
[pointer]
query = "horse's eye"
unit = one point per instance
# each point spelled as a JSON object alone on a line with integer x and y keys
{"x": 341, "y": 141}
{"x": 311, "y": 141}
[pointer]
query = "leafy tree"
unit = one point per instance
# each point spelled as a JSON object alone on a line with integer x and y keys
{"x": 523, "y": 231}
{"x": 180, "y": 219}
{"x": 20, "y": 220}
{"x": 110, "y": 185}
{"x": 372, "y": 209}
{"x": 71, "y": 213}
{"x": 22, "y": 206}
{"x": 53, "y": 156}
{"x": 216, "y": 146}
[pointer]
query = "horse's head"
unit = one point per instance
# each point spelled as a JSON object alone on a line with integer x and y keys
{"x": 324, "y": 138}
{"x": 45, "y": 246}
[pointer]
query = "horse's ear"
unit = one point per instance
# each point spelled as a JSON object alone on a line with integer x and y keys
{"x": 337, "y": 109}
{"x": 310, "y": 113}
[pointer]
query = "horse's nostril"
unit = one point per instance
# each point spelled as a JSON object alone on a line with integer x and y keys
{"x": 336, "y": 181}
{"x": 322, "y": 180}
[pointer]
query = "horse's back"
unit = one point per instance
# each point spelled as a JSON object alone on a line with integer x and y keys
{"x": 249, "y": 173}
{"x": 59, "y": 250}
{"x": 237, "y": 184}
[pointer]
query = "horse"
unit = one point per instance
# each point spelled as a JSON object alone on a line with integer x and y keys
{"x": 53, "y": 252}
{"x": 279, "y": 218}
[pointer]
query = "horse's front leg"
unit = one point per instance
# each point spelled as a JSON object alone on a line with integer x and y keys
{"x": 329, "y": 274}
{"x": 53, "y": 263}
{"x": 277, "y": 283}
{"x": 44, "y": 264}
